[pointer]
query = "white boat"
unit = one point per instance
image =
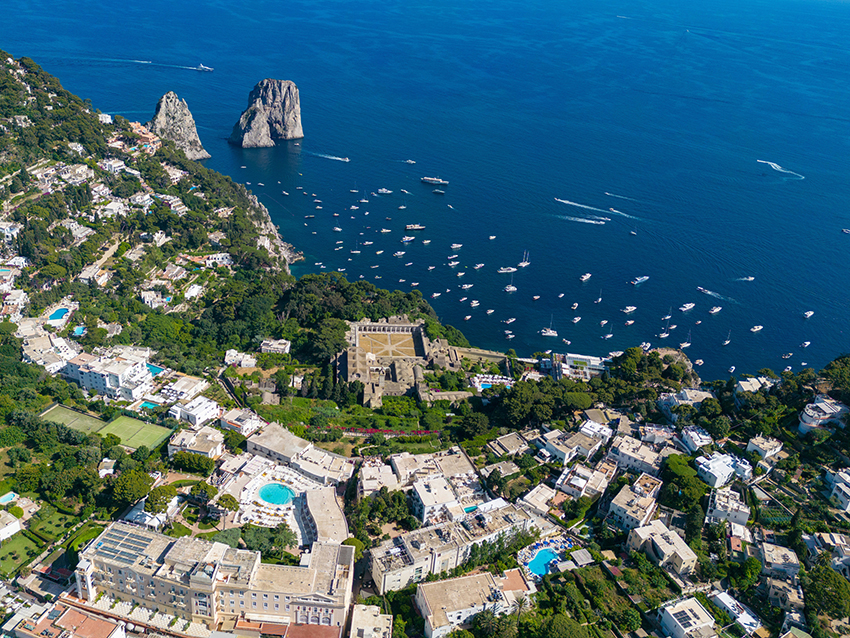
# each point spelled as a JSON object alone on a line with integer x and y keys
{"x": 585, "y": 276}
{"x": 354, "y": 252}
{"x": 787, "y": 369}
{"x": 466, "y": 286}
{"x": 687, "y": 343}
{"x": 337, "y": 229}
{"x": 399, "y": 253}
{"x": 206, "y": 69}
{"x": 808, "y": 313}
{"x": 467, "y": 317}
{"x": 567, "y": 341}
{"x": 434, "y": 180}
{"x": 664, "y": 335}
{"x": 630, "y": 322}
{"x": 668, "y": 315}
{"x": 698, "y": 362}
{"x": 506, "y": 269}
{"x": 474, "y": 303}
{"x": 414, "y": 283}
{"x": 525, "y": 260}
{"x": 673, "y": 327}
{"x": 402, "y": 207}
{"x": 401, "y": 281}
{"x": 354, "y": 207}
{"x": 368, "y": 243}
{"x": 548, "y": 332}
{"x": 453, "y": 263}
{"x": 645, "y": 345}
{"x": 363, "y": 201}
{"x": 629, "y": 309}
{"x": 450, "y": 257}
{"x": 805, "y": 344}
{"x": 728, "y": 339}
{"x": 315, "y": 201}
{"x": 686, "y": 307}
{"x": 492, "y": 237}
{"x": 407, "y": 239}
{"x": 608, "y": 336}
{"x": 414, "y": 227}
{"x": 715, "y": 310}
{"x": 386, "y": 230}
{"x": 456, "y": 246}
{"x": 576, "y": 319}
{"x": 438, "y": 191}
{"x": 510, "y": 288}
{"x": 511, "y": 336}
{"x": 379, "y": 252}
{"x": 510, "y": 320}
{"x": 787, "y": 355}
{"x": 478, "y": 266}
{"x": 384, "y": 191}
{"x": 285, "y": 193}
{"x": 756, "y": 328}
{"x": 353, "y": 190}
{"x": 574, "y": 306}
{"x": 435, "y": 295}
{"x": 747, "y": 279}
{"x": 490, "y": 311}
{"x": 409, "y": 162}
{"x": 431, "y": 267}
{"x": 536, "y": 297}
{"x": 731, "y": 369}
{"x": 639, "y": 280}
{"x": 462, "y": 299}
{"x": 425, "y": 242}
{"x": 603, "y": 322}
{"x": 561, "y": 296}
{"x": 461, "y": 274}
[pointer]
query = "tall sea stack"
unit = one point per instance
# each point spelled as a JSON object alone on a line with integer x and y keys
{"x": 273, "y": 114}
{"x": 174, "y": 122}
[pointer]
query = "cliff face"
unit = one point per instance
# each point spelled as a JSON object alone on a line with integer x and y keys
{"x": 174, "y": 122}
{"x": 273, "y": 113}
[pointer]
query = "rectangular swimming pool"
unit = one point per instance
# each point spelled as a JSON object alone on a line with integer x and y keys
{"x": 155, "y": 370}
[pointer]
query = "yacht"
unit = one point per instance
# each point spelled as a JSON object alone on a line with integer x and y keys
{"x": 808, "y": 313}
{"x": 728, "y": 339}
{"x": 461, "y": 274}
{"x": 510, "y": 288}
{"x": 629, "y": 309}
{"x": 567, "y": 341}
{"x": 645, "y": 345}
{"x": 402, "y": 207}
{"x": 686, "y": 307}
{"x": 585, "y": 276}
{"x": 431, "y": 267}
{"x": 386, "y": 230}
{"x": 474, "y": 303}
{"x": 450, "y": 257}
{"x": 206, "y": 69}
{"x": 426, "y": 242}
{"x": 608, "y": 336}
{"x": 846, "y": 231}
{"x": 576, "y": 319}
{"x": 414, "y": 227}
{"x": 399, "y": 253}
{"x": 698, "y": 362}
{"x": 466, "y": 286}
{"x": 525, "y": 262}
{"x": 453, "y": 263}
{"x": 510, "y": 320}
{"x": 548, "y": 332}
{"x": 407, "y": 239}
{"x": 715, "y": 310}
{"x": 787, "y": 355}
{"x": 603, "y": 322}
{"x": 434, "y": 180}
{"x": 363, "y": 201}
{"x": 747, "y": 279}
{"x": 379, "y": 252}
{"x": 384, "y": 191}
{"x": 731, "y": 369}
{"x": 756, "y": 328}
{"x": 630, "y": 322}
{"x": 337, "y": 229}
{"x": 285, "y": 193}
{"x": 703, "y": 290}
{"x": 456, "y": 246}
{"x": 805, "y": 344}
{"x": 664, "y": 335}
{"x": 787, "y": 369}
{"x": 574, "y": 306}
{"x": 511, "y": 336}
{"x": 462, "y": 299}
{"x": 478, "y": 266}
{"x": 673, "y": 327}
{"x": 506, "y": 269}
{"x": 435, "y": 295}
{"x": 414, "y": 283}
{"x": 490, "y": 311}
{"x": 438, "y": 191}
{"x": 492, "y": 237}
{"x": 686, "y": 343}
{"x": 354, "y": 207}
{"x": 639, "y": 280}
{"x": 536, "y": 297}
{"x": 467, "y": 317}
{"x": 561, "y": 296}
{"x": 409, "y": 161}
{"x": 368, "y": 243}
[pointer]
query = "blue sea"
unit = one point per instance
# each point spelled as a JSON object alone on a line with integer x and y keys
{"x": 717, "y": 132}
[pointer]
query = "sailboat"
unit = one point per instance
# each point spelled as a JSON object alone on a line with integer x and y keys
{"x": 686, "y": 343}
{"x": 549, "y": 332}
{"x": 668, "y": 315}
{"x": 728, "y": 339}
{"x": 510, "y": 287}
{"x": 665, "y": 333}
{"x": 525, "y": 262}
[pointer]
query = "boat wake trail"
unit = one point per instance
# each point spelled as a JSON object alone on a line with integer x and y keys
{"x": 604, "y": 219}
{"x": 717, "y": 295}
{"x": 581, "y": 219}
{"x": 777, "y": 167}
{"x": 631, "y": 199}
{"x": 330, "y": 157}
{"x": 599, "y": 210}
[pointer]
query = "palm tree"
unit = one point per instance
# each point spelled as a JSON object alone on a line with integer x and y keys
{"x": 520, "y": 606}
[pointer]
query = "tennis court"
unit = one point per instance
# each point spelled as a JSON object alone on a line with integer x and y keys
{"x": 134, "y": 433}
{"x": 73, "y": 419}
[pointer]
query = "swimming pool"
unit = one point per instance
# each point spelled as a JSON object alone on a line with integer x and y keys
{"x": 471, "y": 508}
{"x": 149, "y": 405}
{"x": 79, "y": 331}
{"x": 8, "y": 497}
{"x": 58, "y": 314}
{"x": 276, "y": 493}
{"x": 539, "y": 565}
{"x": 154, "y": 370}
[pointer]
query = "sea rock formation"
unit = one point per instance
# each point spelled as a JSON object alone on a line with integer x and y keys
{"x": 273, "y": 114}
{"x": 174, "y": 122}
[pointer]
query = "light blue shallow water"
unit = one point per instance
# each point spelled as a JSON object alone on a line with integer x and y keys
{"x": 539, "y": 565}
{"x": 658, "y": 109}
{"x": 276, "y": 494}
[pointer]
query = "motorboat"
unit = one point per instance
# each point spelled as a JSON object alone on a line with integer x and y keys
{"x": 805, "y": 344}
{"x": 511, "y": 336}
{"x": 431, "y": 267}
{"x": 608, "y": 336}
{"x": 425, "y": 242}
{"x": 687, "y": 306}
{"x": 453, "y": 263}
{"x": 525, "y": 260}
{"x": 576, "y": 319}
{"x": 673, "y": 327}
{"x": 574, "y": 306}
{"x": 787, "y": 369}
{"x": 715, "y": 310}
{"x": 664, "y": 335}
{"x": 435, "y": 180}
{"x": 510, "y": 288}
{"x": 561, "y": 296}
{"x": 639, "y": 280}
{"x": 474, "y": 303}
{"x": 492, "y": 237}
{"x": 536, "y": 297}
{"x": 756, "y": 328}
{"x": 379, "y": 252}
{"x": 461, "y": 274}
{"x": 466, "y": 286}
{"x": 386, "y": 230}
{"x": 490, "y": 311}
{"x": 687, "y": 343}
{"x": 787, "y": 355}
{"x": 462, "y": 299}
{"x": 435, "y": 295}
{"x": 747, "y": 279}
{"x": 645, "y": 345}
{"x": 384, "y": 191}
{"x": 506, "y": 269}
{"x": 808, "y": 313}
{"x": 456, "y": 246}
{"x": 585, "y": 276}
{"x": 467, "y": 317}
{"x": 630, "y": 322}
{"x": 450, "y": 257}
{"x": 438, "y": 191}
{"x": 478, "y": 266}
{"x": 284, "y": 193}
{"x": 407, "y": 239}
{"x": 510, "y": 320}
{"x": 731, "y": 369}
{"x": 728, "y": 339}
{"x": 629, "y": 309}
{"x": 603, "y": 322}
{"x": 414, "y": 227}
{"x": 337, "y": 229}
{"x": 399, "y": 253}
{"x": 204, "y": 68}
{"x": 548, "y": 332}
{"x": 368, "y": 243}
{"x": 698, "y": 362}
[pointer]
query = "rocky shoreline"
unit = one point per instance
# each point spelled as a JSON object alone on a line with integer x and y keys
{"x": 270, "y": 238}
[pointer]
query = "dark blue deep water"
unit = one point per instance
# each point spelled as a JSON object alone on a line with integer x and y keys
{"x": 668, "y": 106}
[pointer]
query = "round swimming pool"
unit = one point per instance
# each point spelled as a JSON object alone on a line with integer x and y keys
{"x": 276, "y": 493}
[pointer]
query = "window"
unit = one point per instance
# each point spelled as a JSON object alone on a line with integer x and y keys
{"x": 276, "y": 606}
{"x": 276, "y": 597}
{"x": 253, "y": 595}
{"x": 254, "y": 605}
{"x": 265, "y": 605}
{"x": 265, "y": 596}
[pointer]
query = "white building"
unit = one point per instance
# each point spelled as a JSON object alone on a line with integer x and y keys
{"x": 754, "y": 384}
{"x": 668, "y": 401}
{"x": 663, "y": 547}
{"x": 240, "y": 359}
{"x": 694, "y": 438}
{"x": 630, "y": 454}
{"x": 580, "y": 480}
{"x": 596, "y": 431}
{"x": 764, "y": 446}
{"x": 652, "y": 433}
{"x": 114, "y": 377}
{"x": 367, "y": 621}
{"x": 741, "y": 614}
{"x": 218, "y": 259}
{"x": 778, "y": 561}
{"x": 726, "y": 505}
{"x": 717, "y": 469}
{"x": 431, "y": 496}
{"x": 840, "y": 494}
{"x": 198, "y": 411}
{"x": 275, "y": 346}
{"x": 448, "y": 604}
{"x": 9, "y": 525}
{"x": 538, "y": 499}
{"x": 242, "y": 420}
{"x": 576, "y": 366}
{"x": 205, "y": 441}
{"x": 564, "y": 446}
{"x": 635, "y": 505}
{"x": 375, "y": 474}
{"x": 686, "y": 618}
{"x": 823, "y": 412}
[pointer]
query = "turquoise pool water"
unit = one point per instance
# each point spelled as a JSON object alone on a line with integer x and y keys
{"x": 79, "y": 331}
{"x": 539, "y": 565}
{"x": 59, "y": 314}
{"x": 276, "y": 494}
{"x": 470, "y": 509}
{"x": 7, "y": 498}
{"x": 155, "y": 370}
{"x": 149, "y": 405}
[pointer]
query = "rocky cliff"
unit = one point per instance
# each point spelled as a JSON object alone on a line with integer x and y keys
{"x": 273, "y": 114}
{"x": 174, "y": 122}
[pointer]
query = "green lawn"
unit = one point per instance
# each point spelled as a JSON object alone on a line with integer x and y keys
{"x": 134, "y": 433}
{"x": 73, "y": 419}
{"x": 178, "y": 530}
{"x": 15, "y": 552}
{"x": 54, "y": 526}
